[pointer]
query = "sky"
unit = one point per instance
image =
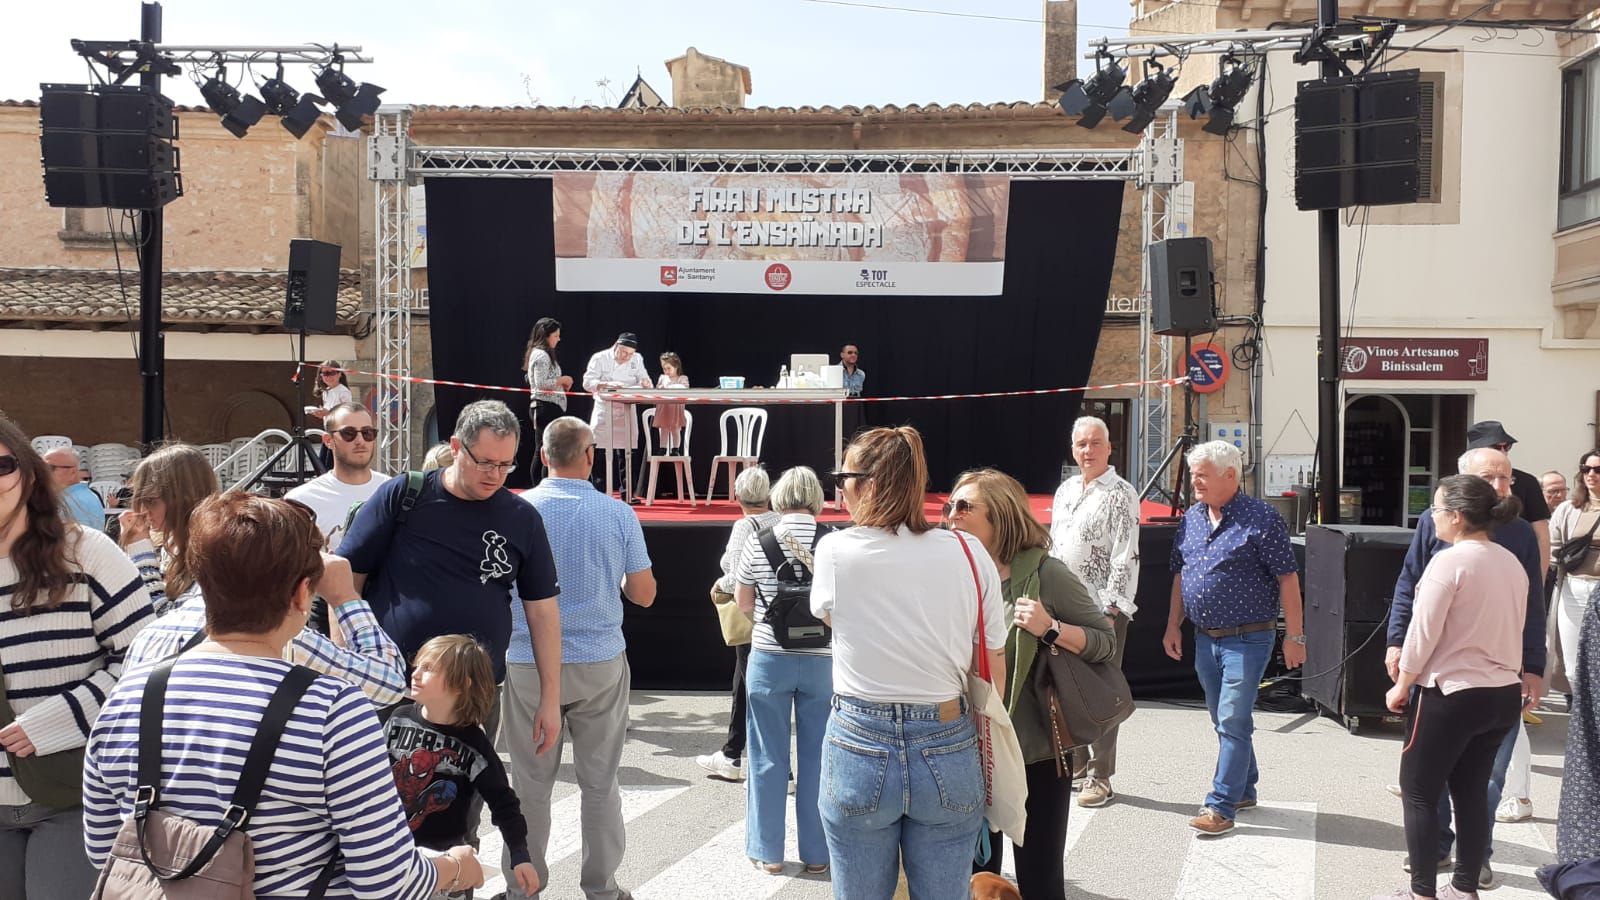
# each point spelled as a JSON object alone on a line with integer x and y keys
{"x": 564, "y": 52}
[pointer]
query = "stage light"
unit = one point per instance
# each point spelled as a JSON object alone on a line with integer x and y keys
{"x": 297, "y": 112}
{"x": 1217, "y": 102}
{"x": 1148, "y": 95}
{"x": 350, "y": 103}
{"x": 1090, "y": 100}
{"x": 238, "y": 112}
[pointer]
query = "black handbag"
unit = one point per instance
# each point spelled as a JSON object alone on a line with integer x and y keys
{"x": 1081, "y": 700}
{"x": 54, "y": 780}
{"x": 1572, "y": 551}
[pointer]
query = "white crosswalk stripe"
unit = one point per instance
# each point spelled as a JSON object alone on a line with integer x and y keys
{"x": 1271, "y": 854}
{"x": 719, "y": 869}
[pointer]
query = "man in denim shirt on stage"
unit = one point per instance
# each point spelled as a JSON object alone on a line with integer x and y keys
{"x": 1233, "y": 569}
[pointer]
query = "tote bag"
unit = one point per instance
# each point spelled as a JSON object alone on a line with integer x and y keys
{"x": 1004, "y": 780}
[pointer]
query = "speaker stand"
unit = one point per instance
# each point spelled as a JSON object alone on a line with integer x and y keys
{"x": 1182, "y": 493}
{"x": 307, "y": 461}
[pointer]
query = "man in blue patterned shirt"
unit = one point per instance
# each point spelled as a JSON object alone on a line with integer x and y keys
{"x": 598, "y": 548}
{"x": 1233, "y": 570}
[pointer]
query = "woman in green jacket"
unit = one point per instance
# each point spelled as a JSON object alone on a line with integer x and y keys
{"x": 1045, "y": 603}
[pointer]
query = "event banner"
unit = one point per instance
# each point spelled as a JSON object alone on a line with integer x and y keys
{"x": 779, "y": 233}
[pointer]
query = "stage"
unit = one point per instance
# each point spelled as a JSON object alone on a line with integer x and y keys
{"x": 676, "y": 644}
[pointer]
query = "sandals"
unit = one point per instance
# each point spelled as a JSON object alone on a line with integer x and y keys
{"x": 816, "y": 868}
{"x": 773, "y": 868}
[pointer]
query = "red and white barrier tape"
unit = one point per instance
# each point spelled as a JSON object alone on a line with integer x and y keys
{"x": 776, "y": 398}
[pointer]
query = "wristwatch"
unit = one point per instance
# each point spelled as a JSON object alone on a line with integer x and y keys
{"x": 1297, "y": 638}
{"x": 1051, "y": 633}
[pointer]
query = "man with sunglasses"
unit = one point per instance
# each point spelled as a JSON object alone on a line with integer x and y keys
{"x": 352, "y": 439}
{"x": 1535, "y": 511}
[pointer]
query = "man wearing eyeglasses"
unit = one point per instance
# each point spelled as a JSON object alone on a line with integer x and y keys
{"x": 455, "y": 561}
{"x": 352, "y": 440}
{"x": 79, "y": 503}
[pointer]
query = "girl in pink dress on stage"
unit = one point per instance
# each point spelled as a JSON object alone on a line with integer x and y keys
{"x": 669, "y": 416}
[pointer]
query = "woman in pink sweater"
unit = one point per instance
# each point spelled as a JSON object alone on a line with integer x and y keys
{"x": 1460, "y": 676}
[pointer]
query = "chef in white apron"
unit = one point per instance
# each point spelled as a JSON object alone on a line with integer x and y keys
{"x": 615, "y": 427}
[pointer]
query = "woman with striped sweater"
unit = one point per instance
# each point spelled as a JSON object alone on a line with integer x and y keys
{"x": 329, "y": 789}
{"x": 72, "y": 604}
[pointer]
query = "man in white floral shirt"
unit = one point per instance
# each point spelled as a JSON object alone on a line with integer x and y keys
{"x": 1095, "y": 530}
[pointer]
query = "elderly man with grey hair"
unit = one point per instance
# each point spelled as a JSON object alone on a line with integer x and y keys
{"x": 1233, "y": 572}
{"x": 1094, "y": 529}
{"x": 441, "y": 554}
{"x": 1517, "y": 536}
{"x": 753, "y": 491}
{"x": 598, "y": 546}
{"x": 79, "y": 503}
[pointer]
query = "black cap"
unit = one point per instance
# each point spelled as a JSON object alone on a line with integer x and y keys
{"x": 1488, "y": 433}
{"x": 628, "y": 339}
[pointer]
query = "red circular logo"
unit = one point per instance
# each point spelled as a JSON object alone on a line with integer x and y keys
{"x": 778, "y": 276}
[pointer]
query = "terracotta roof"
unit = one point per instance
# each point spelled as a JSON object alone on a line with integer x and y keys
{"x": 953, "y": 110}
{"x": 202, "y": 300}
{"x": 34, "y": 104}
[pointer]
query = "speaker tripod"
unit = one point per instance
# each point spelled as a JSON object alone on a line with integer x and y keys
{"x": 307, "y": 461}
{"x": 1182, "y": 493}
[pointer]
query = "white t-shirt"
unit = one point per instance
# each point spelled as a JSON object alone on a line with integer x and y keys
{"x": 905, "y": 612}
{"x": 331, "y": 499}
{"x": 336, "y": 395}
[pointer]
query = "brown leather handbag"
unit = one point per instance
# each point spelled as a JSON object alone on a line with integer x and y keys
{"x": 1081, "y": 700}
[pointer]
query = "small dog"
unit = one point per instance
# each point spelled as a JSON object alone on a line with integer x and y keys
{"x": 987, "y": 886}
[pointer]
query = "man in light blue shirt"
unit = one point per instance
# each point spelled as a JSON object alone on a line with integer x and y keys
{"x": 599, "y": 549}
{"x": 79, "y": 502}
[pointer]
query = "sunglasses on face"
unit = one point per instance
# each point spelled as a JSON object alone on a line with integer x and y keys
{"x": 8, "y": 464}
{"x": 1582, "y": 470}
{"x": 1503, "y": 448}
{"x": 327, "y": 372}
{"x": 368, "y": 434}
{"x": 953, "y": 508}
{"x": 840, "y": 475}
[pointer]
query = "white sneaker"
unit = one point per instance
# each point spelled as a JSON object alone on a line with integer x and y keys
{"x": 1514, "y": 809}
{"x": 1395, "y": 790}
{"x": 720, "y": 766}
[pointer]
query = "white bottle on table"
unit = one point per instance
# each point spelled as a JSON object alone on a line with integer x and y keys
{"x": 783, "y": 376}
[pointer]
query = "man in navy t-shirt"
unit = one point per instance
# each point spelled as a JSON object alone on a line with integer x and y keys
{"x": 451, "y": 566}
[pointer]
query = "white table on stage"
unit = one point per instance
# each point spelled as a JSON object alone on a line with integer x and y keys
{"x": 718, "y": 397}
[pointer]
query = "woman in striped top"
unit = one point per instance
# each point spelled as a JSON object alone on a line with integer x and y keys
{"x": 329, "y": 789}
{"x": 73, "y": 604}
{"x": 782, "y": 682}
{"x": 167, "y": 486}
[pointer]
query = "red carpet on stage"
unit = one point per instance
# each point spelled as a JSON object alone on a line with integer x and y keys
{"x": 722, "y": 512}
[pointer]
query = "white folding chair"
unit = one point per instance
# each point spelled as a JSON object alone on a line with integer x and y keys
{"x": 682, "y": 468}
{"x": 750, "y": 429}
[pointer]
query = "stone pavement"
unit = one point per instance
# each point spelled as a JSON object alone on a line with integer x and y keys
{"x": 1326, "y": 827}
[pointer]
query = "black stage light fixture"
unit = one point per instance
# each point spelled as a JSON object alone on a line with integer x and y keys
{"x": 1217, "y": 101}
{"x": 238, "y": 113}
{"x": 1147, "y": 96}
{"x": 350, "y": 103}
{"x": 298, "y": 112}
{"x": 1090, "y": 100}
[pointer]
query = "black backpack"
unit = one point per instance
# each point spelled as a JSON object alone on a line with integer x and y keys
{"x": 789, "y": 610}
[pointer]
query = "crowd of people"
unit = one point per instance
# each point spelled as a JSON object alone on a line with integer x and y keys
{"x": 143, "y": 674}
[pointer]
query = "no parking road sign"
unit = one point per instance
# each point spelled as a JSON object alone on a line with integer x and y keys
{"x": 1208, "y": 367}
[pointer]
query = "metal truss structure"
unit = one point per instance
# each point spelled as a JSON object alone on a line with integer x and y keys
{"x": 1161, "y": 171}
{"x": 387, "y": 155}
{"x": 394, "y": 162}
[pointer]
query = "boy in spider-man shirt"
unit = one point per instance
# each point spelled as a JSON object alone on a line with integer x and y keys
{"x": 441, "y": 757}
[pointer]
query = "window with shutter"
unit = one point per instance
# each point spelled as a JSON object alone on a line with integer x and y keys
{"x": 1429, "y": 156}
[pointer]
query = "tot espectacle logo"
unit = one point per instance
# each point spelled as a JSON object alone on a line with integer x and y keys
{"x": 874, "y": 278}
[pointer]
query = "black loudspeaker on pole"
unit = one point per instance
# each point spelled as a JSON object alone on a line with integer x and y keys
{"x": 152, "y": 350}
{"x": 1328, "y": 292}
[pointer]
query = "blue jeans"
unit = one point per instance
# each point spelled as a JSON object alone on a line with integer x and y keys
{"x": 900, "y": 786}
{"x": 1230, "y": 671}
{"x": 775, "y": 683}
{"x": 1497, "y": 785}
